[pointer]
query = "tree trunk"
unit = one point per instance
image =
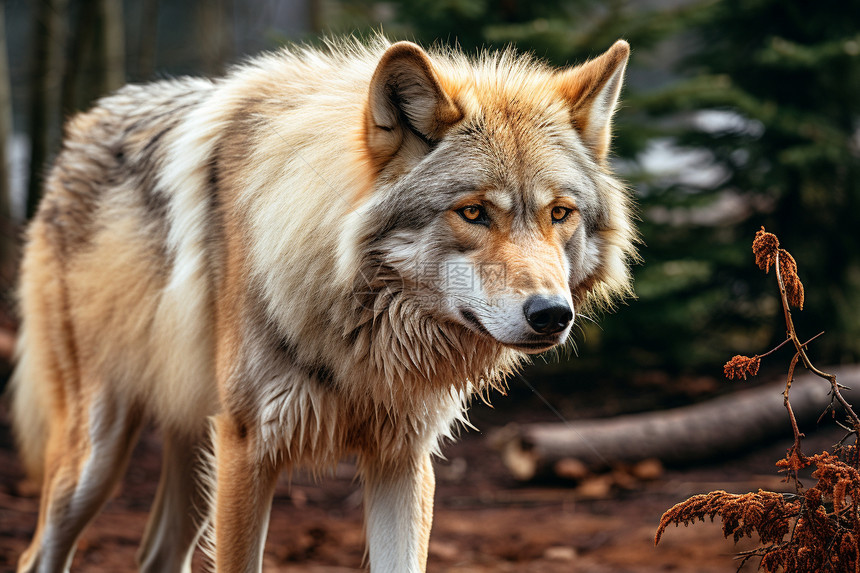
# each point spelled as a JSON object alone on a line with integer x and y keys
{"x": 78, "y": 63}
{"x": 96, "y": 64}
{"x": 8, "y": 226}
{"x": 147, "y": 40}
{"x": 720, "y": 427}
{"x": 111, "y": 55}
{"x": 316, "y": 16}
{"x": 5, "y": 135}
{"x": 46, "y": 72}
{"x": 215, "y": 35}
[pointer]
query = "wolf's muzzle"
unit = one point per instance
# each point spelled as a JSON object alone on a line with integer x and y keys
{"x": 547, "y": 314}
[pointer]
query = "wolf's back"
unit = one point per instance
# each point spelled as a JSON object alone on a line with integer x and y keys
{"x": 118, "y": 280}
{"x": 94, "y": 252}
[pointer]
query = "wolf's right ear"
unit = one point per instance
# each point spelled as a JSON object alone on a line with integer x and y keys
{"x": 406, "y": 97}
{"x": 592, "y": 90}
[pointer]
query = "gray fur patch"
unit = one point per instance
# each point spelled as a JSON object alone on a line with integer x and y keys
{"x": 110, "y": 160}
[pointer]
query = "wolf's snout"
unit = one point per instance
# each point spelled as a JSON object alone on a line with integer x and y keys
{"x": 547, "y": 314}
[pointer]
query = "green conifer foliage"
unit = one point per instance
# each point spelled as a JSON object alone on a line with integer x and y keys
{"x": 779, "y": 83}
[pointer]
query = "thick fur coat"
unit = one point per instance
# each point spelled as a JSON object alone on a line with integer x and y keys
{"x": 323, "y": 254}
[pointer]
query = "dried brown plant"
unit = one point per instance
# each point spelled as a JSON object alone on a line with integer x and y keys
{"x": 793, "y": 286}
{"x": 741, "y": 367}
{"x": 742, "y": 514}
{"x": 765, "y": 247}
{"x": 814, "y": 529}
{"x": 767, "y": 254}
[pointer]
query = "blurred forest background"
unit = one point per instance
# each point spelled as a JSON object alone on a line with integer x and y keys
{"x": 736, "y": 114}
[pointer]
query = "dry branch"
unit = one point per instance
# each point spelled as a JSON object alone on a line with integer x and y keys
{"x": 821, "y": 523}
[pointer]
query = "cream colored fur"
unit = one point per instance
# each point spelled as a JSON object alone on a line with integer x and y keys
{"x": 220, "y": 253}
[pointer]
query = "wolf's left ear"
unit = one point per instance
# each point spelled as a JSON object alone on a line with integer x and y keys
{"x": 591, "y": 90}
{"x": 406, "y": 99}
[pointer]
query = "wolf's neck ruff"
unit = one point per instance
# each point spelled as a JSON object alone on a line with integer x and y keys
{"x": 401, "y": 342}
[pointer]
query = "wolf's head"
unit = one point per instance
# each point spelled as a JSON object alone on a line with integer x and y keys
{"x": 493, "y": 202}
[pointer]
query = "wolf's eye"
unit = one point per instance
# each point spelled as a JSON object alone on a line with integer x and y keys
{"x": 474, "y": 214}
{"x": 559, "y": 214}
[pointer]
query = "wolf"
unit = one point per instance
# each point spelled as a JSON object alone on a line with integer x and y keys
{"x": 324, "y": 253}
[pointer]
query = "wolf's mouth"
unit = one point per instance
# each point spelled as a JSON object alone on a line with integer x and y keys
{"x": 539, "y": 346}
{"x": 531, "y": 346}
{"x": 473, "y": 320}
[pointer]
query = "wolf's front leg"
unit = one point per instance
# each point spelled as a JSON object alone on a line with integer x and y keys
{"x": 243, "y": 499}
{"x": 399, "y": 513}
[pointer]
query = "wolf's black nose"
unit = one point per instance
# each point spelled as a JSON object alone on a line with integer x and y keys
{"x": 547, "y": 314}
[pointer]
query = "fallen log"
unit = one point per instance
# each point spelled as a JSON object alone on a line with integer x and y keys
{"x": 719, "y": 427}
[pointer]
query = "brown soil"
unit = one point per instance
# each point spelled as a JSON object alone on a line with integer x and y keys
{"x": 484, "y": 521}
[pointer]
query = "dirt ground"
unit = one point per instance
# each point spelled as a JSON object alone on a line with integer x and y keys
{"x": 484, "y": 520}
